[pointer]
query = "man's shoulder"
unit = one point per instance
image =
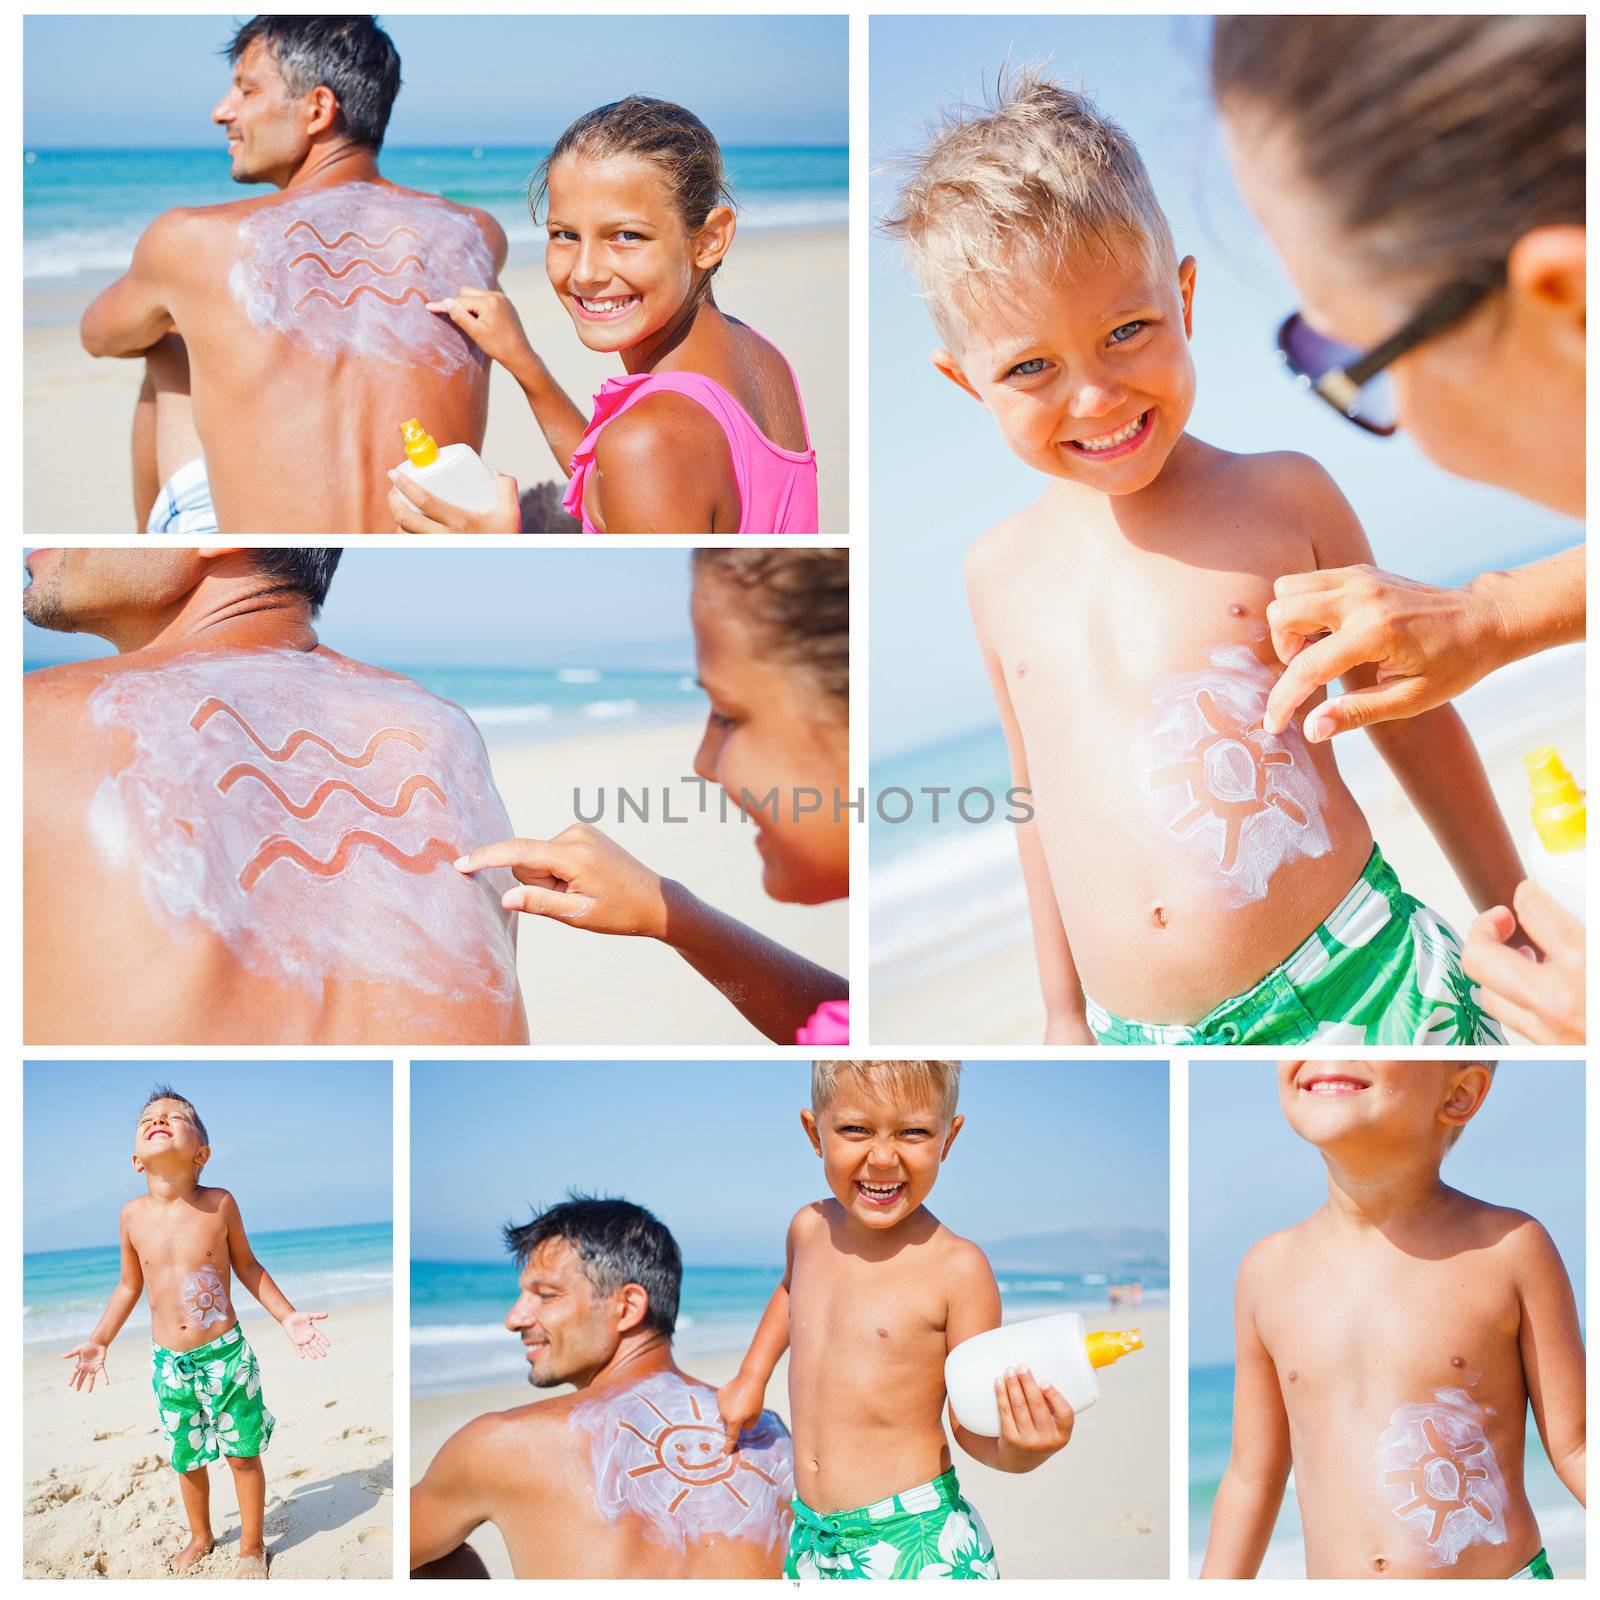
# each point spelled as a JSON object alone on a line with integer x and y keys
{"x": 498, "y": 1433}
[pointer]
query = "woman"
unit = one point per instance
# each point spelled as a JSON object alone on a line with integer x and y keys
{"x": 1422, "y": 180}
{"x": 772, "y": 649}
{"x": 705, "y": 432}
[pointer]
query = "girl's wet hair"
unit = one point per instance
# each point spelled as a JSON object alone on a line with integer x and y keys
{"x": 1438, "y": 141}
{"x": 670, "y": 136}
{"x": 797, "y": 603}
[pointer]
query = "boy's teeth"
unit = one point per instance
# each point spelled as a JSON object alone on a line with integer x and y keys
{"x": 1121, "y": 436}
{"x": 603, "y": 305}
{"x": 881, "y": 1189}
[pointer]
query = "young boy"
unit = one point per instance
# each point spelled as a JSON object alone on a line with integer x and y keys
{"x": 1192, "y": 878}
{"x": 1388, "y": 1347}
{"x": 181, "y": 1240}
{"x": 875, "y": 1293}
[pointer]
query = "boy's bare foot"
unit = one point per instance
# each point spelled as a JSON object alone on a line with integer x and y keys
{"x": 191, "y": 1553}
{"x": 251, "y": 1566}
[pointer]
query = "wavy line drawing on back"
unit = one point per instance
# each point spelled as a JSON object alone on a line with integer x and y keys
{"x": 300, "y": 736}
{"x": 280, "y": 848}
{"x": 350, "y": 233}
{"x": 358, "y": 261}
{"x": 412, "y": 293}
{"x": 408, "y": 791}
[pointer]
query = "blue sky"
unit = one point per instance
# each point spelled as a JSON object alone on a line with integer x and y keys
{"x": 301, "y": 1144}
{"x": 1249, "y": 1175}
{"x": 717, "y": 1152}
{"x": 142, "y": 81}
{"x": 400, "y": 608}
{"x": 940, "y": 473}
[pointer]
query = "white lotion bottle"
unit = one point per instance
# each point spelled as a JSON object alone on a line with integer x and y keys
{"x": 456, "y": 473}
{"x": 1055, "y": 1349}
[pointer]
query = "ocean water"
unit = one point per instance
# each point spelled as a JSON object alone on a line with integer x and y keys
{"x": 1210, "y": 1435}
{"x": 83, "y": 210}
{"x": 459, "y": 1341}
{"x": 64, "y": 1291}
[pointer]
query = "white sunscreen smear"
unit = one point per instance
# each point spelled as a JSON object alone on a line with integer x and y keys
{"x": 1438, "y": 1475}
{"x": 656, "y": 1448}
{"x": 308, "y": 812}
{"x": 1245, "y": 802}
{"x": 204, "y": 1299}
{"x": 349, "y": 270}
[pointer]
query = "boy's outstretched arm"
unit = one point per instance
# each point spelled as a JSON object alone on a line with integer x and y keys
{"x": 1552, "y": 1356}
{"x": 1252, "y": 1488}
{"x": 1432, "y": 755}
{"x": 91, "y": 1354}
{"x": 740, "y": 1401}
{"x": 301, "y": 1326}
{"x": 1065, "y": 1020}
{"x": 1035, "y": 1419}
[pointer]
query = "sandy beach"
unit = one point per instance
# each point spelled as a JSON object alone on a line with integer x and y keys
{"x": 788, "y": 284}
{"x": 1096, "y": 1510}
{"x": 581, "y": 988}
{"x": 100, "y": 1501}
{"x": 994, "y": 998}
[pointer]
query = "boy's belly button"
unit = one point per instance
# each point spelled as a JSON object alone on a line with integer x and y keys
{"x": 1380, "y": 1564}
{"x": 1159, "y": 916}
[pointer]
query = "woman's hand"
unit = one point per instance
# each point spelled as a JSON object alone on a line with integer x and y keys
{"x": 415, "y": 510}
{"x": 1428, "y": 645}
{"x": 490, "y": 321}
{"x": 581, "y": 877}
{"x": 1543, "y": 998}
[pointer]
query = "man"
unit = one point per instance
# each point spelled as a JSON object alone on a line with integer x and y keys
{"x": 232, "y": 834}
{"x": 285, "y": 337}
{"x": 628, "y": 1475}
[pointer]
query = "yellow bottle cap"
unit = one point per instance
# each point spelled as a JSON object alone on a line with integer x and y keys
{"x": 421, "y": 451}
{"x": 1104, "y": 1348}
{"x": 1559, "y": 808}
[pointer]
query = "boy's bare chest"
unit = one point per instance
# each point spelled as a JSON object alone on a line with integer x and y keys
{"x": 187, "y": 1241}
{"x": 886, "y": 1309}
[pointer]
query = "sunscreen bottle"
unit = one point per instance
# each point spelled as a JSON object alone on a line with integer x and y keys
{"x": 1556, "y": 846}
{"x": 1057, "y": 1350}
{"x": 456, "y": 473}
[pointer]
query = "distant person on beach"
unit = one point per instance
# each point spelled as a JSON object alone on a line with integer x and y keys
{"x": 626, "y": 1476}
{"x": 285, "y": 339}
{"x": 1460, "y": 281}
{"x": 772, "y": 643}
{"x": 706, "y": 432}
{"x": 183, "y": 1244}
{"x": 1192, "y": 879}
{"x": 875, "y": 1293}
{"x": 1390, "y": 1346}
{"x": 232, "y": 834}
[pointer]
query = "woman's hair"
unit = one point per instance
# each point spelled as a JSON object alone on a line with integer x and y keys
{"x": 797, "y": 605}
{"x": 1438, "y": 141}
{"x": 675, "y": 139}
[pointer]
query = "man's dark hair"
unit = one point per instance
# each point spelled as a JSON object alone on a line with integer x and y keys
{"x": 352, "y": 56}
{"x": 165, "y": 1091}
{"x": 296, "y": 567}
{"x": 617, "y": 1243}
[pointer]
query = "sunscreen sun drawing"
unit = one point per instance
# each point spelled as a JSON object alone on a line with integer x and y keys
{"x": 350, "y": 271}
{"x": 657, "y": 1452}
{"x": 307, "y": 812}
{"x": 1438, "y": 1474}
{"x": 204, "y": 1297}
{"x": 1243, "y": 801}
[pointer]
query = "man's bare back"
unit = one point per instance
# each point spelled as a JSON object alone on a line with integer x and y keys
{"x": 630, "y": 1480}
{"x": 308, "y": 345}
{"x": 1401, "y": 1375}
{"x": 255, "y": 845}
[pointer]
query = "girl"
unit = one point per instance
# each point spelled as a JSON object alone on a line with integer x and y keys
{"x": 772, "y": 645}
{"x": 705, "y": 433}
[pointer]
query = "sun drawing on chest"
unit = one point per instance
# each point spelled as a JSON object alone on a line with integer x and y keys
{"x": 1444, "y": 1480}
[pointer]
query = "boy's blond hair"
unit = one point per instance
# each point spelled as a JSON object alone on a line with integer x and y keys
{"x": 885, "y": 1080}
{"x": 1040, "y": 169}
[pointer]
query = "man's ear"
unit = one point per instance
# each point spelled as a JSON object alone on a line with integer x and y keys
{"x": 215, "y": 552}
{"x": 951, "y": 368}
{"x": 633, "y": 1306}
{"x": 1469, "y": 1088}
{"x": 808, "y": 1121}
{"x": 1186, "y": 272}
{"x": 322, "y": 111}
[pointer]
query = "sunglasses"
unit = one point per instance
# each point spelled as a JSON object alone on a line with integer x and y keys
{"x": 1354, "y": 383}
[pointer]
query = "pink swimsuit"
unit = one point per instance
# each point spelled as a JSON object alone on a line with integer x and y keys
{"x": 777, "y": 487}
